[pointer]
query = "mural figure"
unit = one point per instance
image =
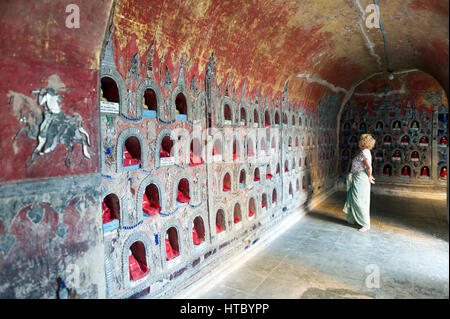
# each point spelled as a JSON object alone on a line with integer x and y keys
{"x": 50, "y": 128}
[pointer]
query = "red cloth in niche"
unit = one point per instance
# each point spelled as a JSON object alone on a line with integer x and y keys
{"x": 137, "y": 270}
{"x": 182, "y": 198}
{"x": 195, "y": 159}
{"x": 164, "y": 153}
{"x": 106, "y": 214}
{"x": 263, "y": 204}
{"x": 286, "y": 170}
{"x": 226, "y": 189}
{"x": 267, "y": 124}
{"x": 250, "y": 213}
{"x": 269, "y": 176}
{"x": 150, "y": 207}
{"x": 256, "y": 179}
{"x": 170, "y": 252}
{"x": 126, "y": 154}
{"x": 235, "y": 155}
{"x": 197, "y": 241}
{"x": 236, "y": 220}
{"x": 128, "y": 160}
{"x": 444, "y": 173}
{"x": 218, "y": 229}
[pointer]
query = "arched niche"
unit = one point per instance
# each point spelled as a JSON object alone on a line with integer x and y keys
{"x": 264, "y": 203}
{"x": 182, "y": 190}
{"x": 252, "y": 207}
{"x": 256, "y": 175}
{"x": 243, "y": 116}
{"x": 198, "y": 231}
{"x": 109, "y": 74}
{"x": 405, "y": 171}
{"x": 256, "y": 119}
{"x": 123, "y": 137}
{"x": 110, "y": 212}
{"x": 151, "y": 190}
{"x": 237, "y": 213}
{"x": 150, "y": 97}
{"x": 274, "y": 197}
{"x": 227, "y": 112}
{"x": 171, "y": 243}
{"x": 196, "y": 152}
{"x": 226, "y": 183}
{"x": 277, "y": 118}
{"x": 137, "y": 261}
{"x": 132, "y": 158}
{"x": 269, "y": 174}
{"x": 181, "y": 103}
{"x": 145, "y": 258}
{"x": 220, "y": 221}
{"x": 267, "y": 120}
{"x": 242, "y": 178}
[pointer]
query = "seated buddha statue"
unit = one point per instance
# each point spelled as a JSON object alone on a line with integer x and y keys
{"x": 424, "y": 172}
{"x": 443, "y": 172}
{"x": 405, "y": 171}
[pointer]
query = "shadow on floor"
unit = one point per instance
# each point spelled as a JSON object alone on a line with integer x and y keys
{"x": 396, "y": 211}
{"x": 327, "y": 217}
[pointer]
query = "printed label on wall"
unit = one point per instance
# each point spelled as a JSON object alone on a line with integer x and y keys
{"x": 109, "y": 107}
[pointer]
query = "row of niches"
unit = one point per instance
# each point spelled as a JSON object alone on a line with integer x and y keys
{"x": 404, "y": 140}
{"x": 151, "y": 202}
{"x": 397, "y": 155}
{"x": 171, "y": 151}
{"x": 151, "y": 101}
{"x": 396, "y": 127}
{"x": 415, "y": 170}
{"x": 172, "y": 239}
{"x": 407, "y": 171}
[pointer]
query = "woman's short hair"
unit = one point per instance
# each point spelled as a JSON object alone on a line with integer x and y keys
{"x": 366, "y": 141}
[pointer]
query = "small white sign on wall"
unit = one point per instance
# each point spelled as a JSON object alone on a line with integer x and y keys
{"x": 109, "y": 107}
{"x": 167, "y": 161}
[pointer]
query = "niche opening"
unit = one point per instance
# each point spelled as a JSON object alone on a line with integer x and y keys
{"x": 263, "y": 201}
{"x": 149, "y": 104}
{"x": 227, "y": 114}
{"x": 237, "y": 213}
{"x": 151, "y": 204}
{"x": 132, "y": 153}
{"x": 195, "y": 155}
{"x": 256, "y": 176}
{"x": 171, "y": 241}
{"x": 183, "y": 192}
{"x": 137, "y": 261}
{"x": 268, "y": 172}
{"x": 198, "y": 231}
{"x": 109, "y": 92}
{"x": 220, "y": 221}
{"x": 251, "y": 208}
{"x": 226, "y": 183}
{"x": 111, "y": 212}
{"x": 242, "y": 179}
{"x": 181, "y": 107}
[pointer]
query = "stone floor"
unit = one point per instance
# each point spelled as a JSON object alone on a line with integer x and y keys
{"x": 321, "y": 256}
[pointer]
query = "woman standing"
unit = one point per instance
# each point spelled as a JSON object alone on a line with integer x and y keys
{"x": 357, "y": 206}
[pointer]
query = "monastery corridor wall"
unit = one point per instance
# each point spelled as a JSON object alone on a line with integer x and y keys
{"x": 195, "y": 171}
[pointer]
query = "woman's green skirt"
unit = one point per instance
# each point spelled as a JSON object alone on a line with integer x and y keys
{"x": 357, "y": 206}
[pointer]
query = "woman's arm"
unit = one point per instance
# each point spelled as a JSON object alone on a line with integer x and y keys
{"x": 369, "y": 170}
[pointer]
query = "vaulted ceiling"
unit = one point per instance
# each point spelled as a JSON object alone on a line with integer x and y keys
{"x": 271, "y": 41}
{"x": 264, "y": 41}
